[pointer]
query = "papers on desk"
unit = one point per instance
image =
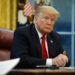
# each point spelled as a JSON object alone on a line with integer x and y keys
{"x": 66, "y": 68}
{"x": 7, "y": 65}
{"x": 46, "y": 67}
{"x": 54, "y": 67}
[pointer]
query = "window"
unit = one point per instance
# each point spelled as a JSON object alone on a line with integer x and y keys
{"x": 65, "y": 25}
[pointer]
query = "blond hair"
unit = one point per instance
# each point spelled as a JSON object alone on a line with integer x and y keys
{"x": 49, "y": 9}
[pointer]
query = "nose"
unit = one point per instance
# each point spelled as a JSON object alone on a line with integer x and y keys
{"x": 49, "y": 21}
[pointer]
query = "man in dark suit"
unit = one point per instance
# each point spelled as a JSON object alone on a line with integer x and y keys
{"x": 27, "y": 41}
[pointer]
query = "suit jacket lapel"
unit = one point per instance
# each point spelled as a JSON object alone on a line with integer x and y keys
{"x": 51, "y": 46}
{"x": 36, "y": 42}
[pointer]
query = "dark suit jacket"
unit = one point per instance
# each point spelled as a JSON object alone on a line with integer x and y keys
{"x": 26, "y": 45}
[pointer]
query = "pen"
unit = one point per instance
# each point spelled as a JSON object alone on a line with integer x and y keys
{"x": 64, "y": 52}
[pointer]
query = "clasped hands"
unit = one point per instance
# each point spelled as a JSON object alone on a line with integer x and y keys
{"x": 60, "y": 60}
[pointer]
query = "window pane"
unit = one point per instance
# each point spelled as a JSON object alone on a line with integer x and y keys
{"x": 74, "y": 15}
{"x": 65, "y": 8}
{"x": 74, "y": 51}
{"x": 66, "y": 42}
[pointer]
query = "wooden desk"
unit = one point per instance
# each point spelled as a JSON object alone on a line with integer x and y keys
{"x": 40, "y": 72}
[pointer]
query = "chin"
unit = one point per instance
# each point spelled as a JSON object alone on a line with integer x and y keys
{"x": 48, "y": 31}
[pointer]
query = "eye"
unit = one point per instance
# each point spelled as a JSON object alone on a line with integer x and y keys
{"x": 46, "y": 18}
{"x": 53, "y": 19}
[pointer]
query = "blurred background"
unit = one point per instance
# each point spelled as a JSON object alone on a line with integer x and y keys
{"x": 11, "y": 17}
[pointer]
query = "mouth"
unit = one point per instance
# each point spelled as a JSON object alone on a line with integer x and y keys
{"x": 49, "y": 29}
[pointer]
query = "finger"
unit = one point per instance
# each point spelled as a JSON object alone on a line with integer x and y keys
{"x": 64, "y": 62}
{"x": 60, "y": 62}
{"x": 57, "y": 64}
{"x": 65, "y": 59}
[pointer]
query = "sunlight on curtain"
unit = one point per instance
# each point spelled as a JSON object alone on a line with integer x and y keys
{"x": 8, "y": 15}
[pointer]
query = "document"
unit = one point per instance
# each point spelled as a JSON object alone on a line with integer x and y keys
{"x": 47, "y": 67}
{"x": 54, "y": 67}
{"x": 7, "y": 65}
{"x": 66, "y": 68}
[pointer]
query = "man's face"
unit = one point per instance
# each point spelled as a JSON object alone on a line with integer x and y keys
{"x": 45, "y": 22}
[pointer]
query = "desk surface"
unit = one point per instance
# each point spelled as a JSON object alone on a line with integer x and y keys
{"x": 40, "y": 71}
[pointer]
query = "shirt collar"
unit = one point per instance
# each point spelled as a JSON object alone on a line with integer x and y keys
{"x": 39, "y": 34}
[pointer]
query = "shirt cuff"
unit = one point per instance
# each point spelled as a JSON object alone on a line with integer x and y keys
{"x": 49, "y": 62}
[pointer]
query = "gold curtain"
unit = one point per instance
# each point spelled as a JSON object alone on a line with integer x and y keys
{"x": 8, "y": 9}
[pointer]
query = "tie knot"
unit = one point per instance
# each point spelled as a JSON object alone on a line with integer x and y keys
{"x": 43, "y": 37}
